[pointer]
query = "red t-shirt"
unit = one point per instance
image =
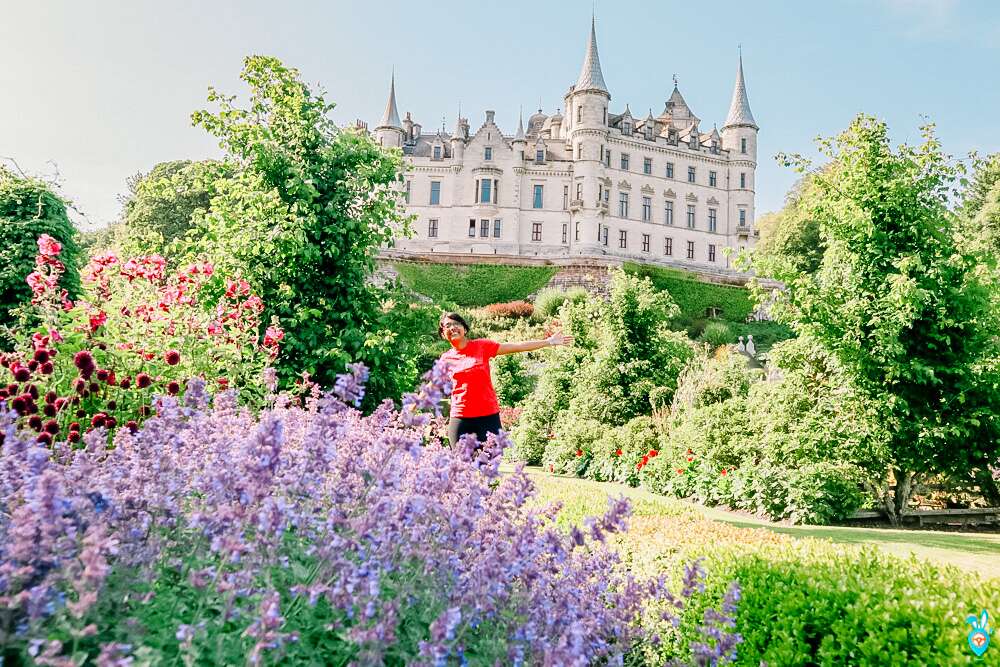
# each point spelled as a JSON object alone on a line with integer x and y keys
{"x": 473, "y": 394}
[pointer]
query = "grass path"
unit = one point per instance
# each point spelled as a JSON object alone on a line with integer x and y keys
{"x": 978, "y": 552}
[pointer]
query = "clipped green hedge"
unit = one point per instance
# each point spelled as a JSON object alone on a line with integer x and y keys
{"x": 474, "y": 285}
{"x": 694, "y": 296}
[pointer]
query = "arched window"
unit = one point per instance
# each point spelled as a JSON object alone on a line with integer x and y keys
{"x": 579, "y": 113}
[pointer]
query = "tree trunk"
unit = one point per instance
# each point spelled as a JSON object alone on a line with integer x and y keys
{"x": 895, "y": 504}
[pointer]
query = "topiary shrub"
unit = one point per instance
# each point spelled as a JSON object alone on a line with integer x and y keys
{"x": 28, "y": 209}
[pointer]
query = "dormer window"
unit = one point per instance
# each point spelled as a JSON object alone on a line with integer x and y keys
{"x": 649, "y": 132}
{"x": 715, "y": 146}
{"x": 626, "y": 127}
{"x": 672, "y": 136}
{"x": 539, "y": 155}
{"x": 488, "y": 153}
{"x": 694, "y": 142}
{"x": 437, "y": 153}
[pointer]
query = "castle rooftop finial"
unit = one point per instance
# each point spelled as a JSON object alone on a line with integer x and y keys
{"x": 591, "y": 77}
{"x": 391, "y": 117}
{"x": 739, "y": 108}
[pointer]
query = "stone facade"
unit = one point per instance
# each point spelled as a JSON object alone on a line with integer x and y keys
{"x": 594, "y": 183}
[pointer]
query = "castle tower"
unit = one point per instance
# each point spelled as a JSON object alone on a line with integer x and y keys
{"x": 739, "y": 137}
{"x": 389, "y": 132}
{"x": 587, "y": 122}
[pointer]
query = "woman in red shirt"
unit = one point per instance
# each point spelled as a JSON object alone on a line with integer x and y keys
{"x": 474, "y": 406}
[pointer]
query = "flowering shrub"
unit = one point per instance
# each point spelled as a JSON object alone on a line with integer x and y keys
{"x": 510, "y": 309}
{"x": 213, "y": 537}
{"x": 137, "y": 331}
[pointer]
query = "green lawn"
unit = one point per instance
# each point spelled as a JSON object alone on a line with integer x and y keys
{"x": 976, "y": 552}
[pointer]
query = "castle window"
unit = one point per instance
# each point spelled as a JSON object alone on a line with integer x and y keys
{"x": 623, "y": 205}
{"x": 437, "y": 152}
{"x": 743, "y": 217}
{"x": 690, "y": 216}
{"x": 743, "y": 145}
{"x": 624, "y": 162}
{"x": 472, "y": 228}
{"x": 496, "y": 228}
{"x": 607, "y": 158}
{"x": 565, "y": 197}
{"x": 626, "y": 127}
{"x": 647, "y": 209}
{"x": 539, "y": 155}
{"x": 690, "y": 249}
{"x": 605, "y": 116}
{"x": 484, "y": 228}
{"x": 576, "y": 232}
{"x": 711, "y": 252}
{"x": 488, "y": 153}
{"x": 579, "y": 114}
{"x": 604, "y": 235}
{"x": 715, "y": 146}
{"x": 485, "y": 191}
{"x": 579, "y": 191}
{"x": 622, "y": 239}
{"x": 406, "y": 192}
{"x": 537, "y": 201}
{"x": 743, "y": 180}
{"x": 645, "y": 242}
{"x": 668, "y": 246}
{"x": 522, "y": 156}
{"x": 432, "y": 228}
{"x": 435, "y": 192}
{"x": 647, "y": 165}
{"x": 536, "y": 231}
{"x": 648, "y": 131}
{"x": 670, "y": 170}
{"x": 694, "y": 142}
{"x": 691, "y": 174}
{"x": 565, "y": 233}
{"x": 713, "y": 219}
{"x": 668, "y": 213}
{"x": 713, "y": 178}
{"x": 672, "y": 136}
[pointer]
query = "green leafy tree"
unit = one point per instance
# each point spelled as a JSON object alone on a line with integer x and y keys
{"x": 791, "y": 235}
{"x": 904, "y": 306}
{"x": 302, "y": 214}
{"x": 28, "y": 209}
{"x": 980, "y": 189}
{"x": 163, "y": 205}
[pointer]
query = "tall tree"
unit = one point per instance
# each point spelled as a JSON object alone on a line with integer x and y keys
{"x": 904, "y": 305}
{"x": 791, "y": 235}
{"x": 302, "y": 215}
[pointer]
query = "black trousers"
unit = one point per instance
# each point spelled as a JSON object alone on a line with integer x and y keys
{"x": 459, "y": 426}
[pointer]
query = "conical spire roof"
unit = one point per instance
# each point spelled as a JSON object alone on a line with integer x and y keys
{"x": 520, "y": 128}
{"x": 391, "y": 117}
{"x": 739, "y": 108}
{"x": 591, "y": 77}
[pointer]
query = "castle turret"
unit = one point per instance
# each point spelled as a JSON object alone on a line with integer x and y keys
{"x": 520, "y": 140}
{"x": 587, "y": 120}
{"x": 390, "y": 131}
{"x": 739, "y": 137}
{"x": 459, "y": 138}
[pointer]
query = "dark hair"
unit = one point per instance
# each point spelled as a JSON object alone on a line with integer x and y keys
{"x": 455, "y": 317}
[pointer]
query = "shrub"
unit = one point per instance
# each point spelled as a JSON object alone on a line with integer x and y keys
{"x": 28, "y": 209}
{"x": 717, "y": 333}
{"x": 511, "y": 309}
{"x": 511, "y": 381}
{"x": 694, "y": 297}
{"x": 824, "y": 492}
{"x": 549, "y": 301}
{"x": 473, "y": 285}
{"x": 211, "y": 536}
{"x": 572, "y": 447}
{"x": 620, "y": 452}
{"x": 137, "y": 332}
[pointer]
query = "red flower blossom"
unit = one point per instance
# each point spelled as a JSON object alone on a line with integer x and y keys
{"x": 143, "y": 380}
{"x": 41, "y": 356}
{"x": 172, "y": 357}
{"x": 653, "y": 453}
{"x": 48, "y": 246}
{"x": 618, "y": 452}
{"x": 22, "y": 374}
{"x": 47, "y": 368}
{"x": 98, "y": 420}
{"x": 49, "y": 410}
{"x": 97, "y": 320}
{"x": 44, "y": 439}
{"x": 273, "y": 336}
{"x": 680, "y": 471}
{"x": 102, "y": 375}
{"x": 74, "y": 436}
{"x": 125, "y": 383}
{"x": 132, "y": 425}
{"x": 83, "y": 359}
{"x": 35, "y": 422}
{"x": 173, "y": 388}
{"x": 723, "y": 472}
{"x": 579, "y": 452}
{"x": 690, "y": 458}
{"x": 52, "y": 426}
{"x": 74, "y": 426}
{"x": 19, "y": 404}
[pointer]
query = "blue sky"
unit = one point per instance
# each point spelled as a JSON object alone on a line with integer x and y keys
{"x": 98, "y": 91}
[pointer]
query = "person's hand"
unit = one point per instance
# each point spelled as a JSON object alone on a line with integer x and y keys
{"x": 559, "y": 338}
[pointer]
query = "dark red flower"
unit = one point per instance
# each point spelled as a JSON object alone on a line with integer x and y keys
{"x": 653, "y": 453}
{"x": 60, "y": 402}
{"x": 11, "y": 389}
{"x": 46, "y": 368}
{"x": 102, "y": 375}
{"x": 132, "y": 425}
{"x": 145, "y": 411}
{"x": 74, "y": 426}
{"x": 32, "y": 391}
{"x": 79, "y": 385}
{"x": 110, "y": 422}
{"x": 125, "y": 383}
{"x": 3, "y": 393}
{"x": 112, "y": 380}
{"x": 172, "y": 357}
{"x": 579, "y": 452}
{"x": 30, "y": 408}
{"x": 83, "y": 359}
{"x": 35, "y": 422}
{"x": 81, "y": 413}
{"x": 22, "y": 374}
{"x": 112, "y": 405}
{"x": 44, "y": 439}
{"x": 94, "y": 387}
{"x": 98, "y": 420}
{"x": 41, "y": 356}
{"x": 51, "y": 396}
{"x": 49, "y": 410}
{"x": 32, "y": 365}
{"x": 143, "y": 380}
{"x": 74, "y": 436}
{"x": 173, "y": 388}
{"x": 51, "y": 426}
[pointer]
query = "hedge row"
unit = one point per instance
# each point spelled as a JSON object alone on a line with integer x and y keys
{"x": 694, "y": 296}
{"x": 476, "y": 285}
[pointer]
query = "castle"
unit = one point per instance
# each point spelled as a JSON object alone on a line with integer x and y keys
{"x": 590, "y": 183}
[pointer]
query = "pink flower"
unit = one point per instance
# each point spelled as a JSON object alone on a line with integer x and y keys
{"x": 254, "y": 303}
{"x": 273, "y": 336}
{"x": 97, "y": 320}
{"x": 48, "y": 246}
{"x": 214, "y": 328}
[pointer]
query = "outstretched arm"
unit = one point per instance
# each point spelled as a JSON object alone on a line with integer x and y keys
{"x": 529, "y": 345}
